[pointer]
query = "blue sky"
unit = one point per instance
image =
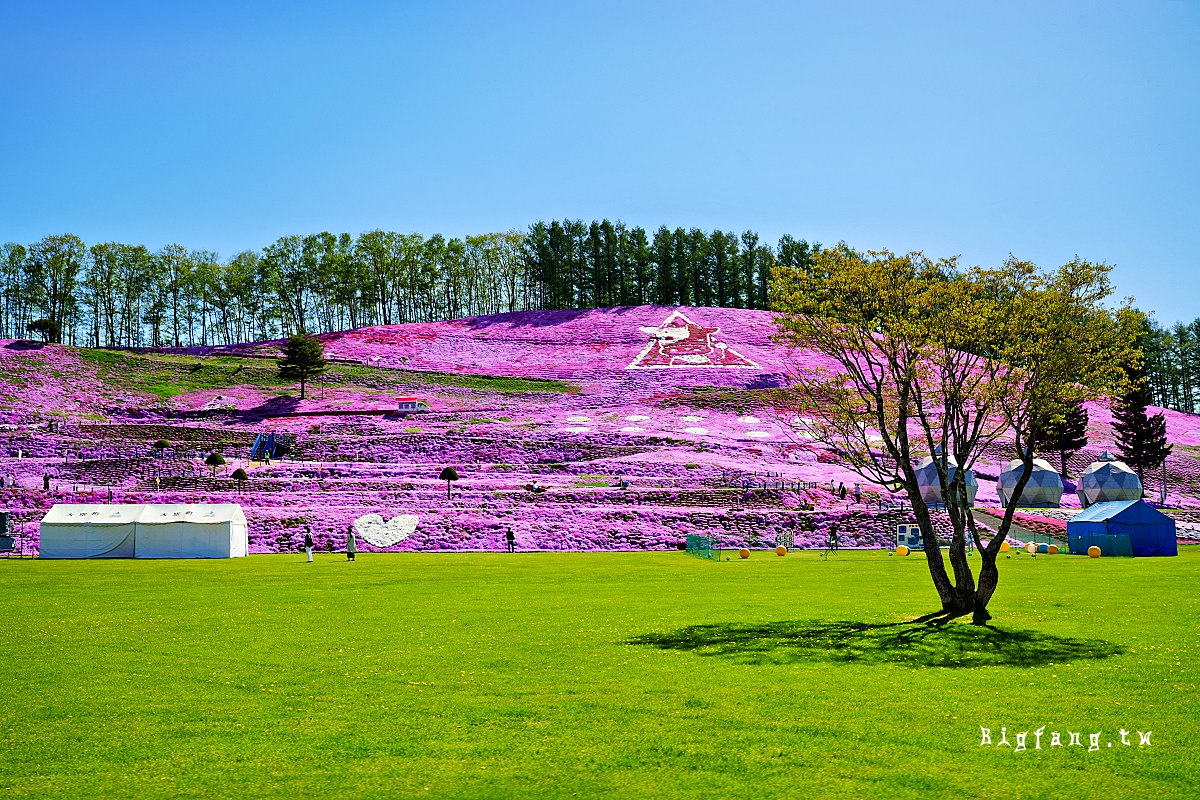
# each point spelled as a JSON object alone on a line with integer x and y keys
{"x": 980, "y": 128}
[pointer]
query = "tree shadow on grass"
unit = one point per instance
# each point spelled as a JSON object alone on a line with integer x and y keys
{"x": 920, "y": 643}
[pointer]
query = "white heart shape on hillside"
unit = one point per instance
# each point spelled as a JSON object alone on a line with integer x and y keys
{"x": 373, "y": 529}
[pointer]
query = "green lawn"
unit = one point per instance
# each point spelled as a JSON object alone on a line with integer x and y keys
{"x": 590, "y": 675}
{"x": 167, "y": 375}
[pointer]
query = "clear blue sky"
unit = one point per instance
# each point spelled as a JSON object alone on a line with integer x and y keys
{"x": 973, "y": 128}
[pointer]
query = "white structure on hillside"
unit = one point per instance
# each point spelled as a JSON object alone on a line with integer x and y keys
{"x": 411, "y": 405}
{"x": 144, "y": 531}
{"x": 1043, "y": 490}
{"x": 931, "y": 487}
{"x": 1108, "y": 480}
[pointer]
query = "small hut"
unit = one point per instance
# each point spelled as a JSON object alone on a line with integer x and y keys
{"x": 411, "y": 405}
{"x": 1123, "y": 528}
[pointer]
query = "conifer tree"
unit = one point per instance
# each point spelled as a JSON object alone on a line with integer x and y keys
{"x": 303, "y": 358}
{"x": 1141, "y": 438}
{"x": 1067, "y": 437}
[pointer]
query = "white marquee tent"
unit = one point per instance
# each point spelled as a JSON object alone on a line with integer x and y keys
{"x": 144, "y": 531}
{"x": 72, "y": 530}
{"x": 192, "y": 531}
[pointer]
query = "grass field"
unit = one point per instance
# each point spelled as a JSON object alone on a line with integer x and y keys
{"x": 591, "y": 675}
{"x": 168, "y": 375}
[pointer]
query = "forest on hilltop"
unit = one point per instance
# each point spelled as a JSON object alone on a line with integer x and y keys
{"x": 115, "y": 294}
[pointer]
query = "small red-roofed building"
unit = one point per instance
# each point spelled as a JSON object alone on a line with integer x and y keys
{"x": 411, "y": 405}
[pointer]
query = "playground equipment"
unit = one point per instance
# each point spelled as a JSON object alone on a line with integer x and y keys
{"x": 268, "y": 445}
{"x": 909, "y": 537}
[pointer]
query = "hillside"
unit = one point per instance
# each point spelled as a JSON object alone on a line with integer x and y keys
{"x": 680, "y": 404}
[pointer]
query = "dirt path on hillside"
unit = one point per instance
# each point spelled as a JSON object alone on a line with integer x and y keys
{"x": 1018, "y": 531}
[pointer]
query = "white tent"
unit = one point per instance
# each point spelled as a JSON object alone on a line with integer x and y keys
{"x": 89, "y": 531}
{"x": 144, "y": 531}
{"x": 192, "y": 531}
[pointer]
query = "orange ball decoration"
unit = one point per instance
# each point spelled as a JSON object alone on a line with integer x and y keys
{"x": 744, "y": 553}
{"x": 781, "y": 550}
{"x": 902, "y": 550}
{"x": 1052, "y": 549}
{"x": 1094, "y": 551}
{"x": 1004, "y": 547}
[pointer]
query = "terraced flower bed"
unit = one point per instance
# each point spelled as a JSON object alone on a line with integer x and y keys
{"x": 627, "y": 448}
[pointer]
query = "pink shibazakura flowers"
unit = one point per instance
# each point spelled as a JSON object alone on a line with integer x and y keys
{"x": 662, "y": 422}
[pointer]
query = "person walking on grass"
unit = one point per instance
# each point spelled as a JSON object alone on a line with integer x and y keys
{"x": 351, "y": 545}
{"x": 308, "y": 545}
{"x": 508, "y": 535}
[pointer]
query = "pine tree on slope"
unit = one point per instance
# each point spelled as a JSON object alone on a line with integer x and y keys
{"x": 303, "y": 358}
{"x": 1067, "y": 437}
{"x": 1141, "y": 438}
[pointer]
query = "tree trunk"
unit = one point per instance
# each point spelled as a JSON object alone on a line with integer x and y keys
{"x": 989, "y": 576}
{"x": 933, "y": 556}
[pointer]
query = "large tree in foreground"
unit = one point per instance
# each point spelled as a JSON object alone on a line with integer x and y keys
{"x": 922, "y": 357}
{"x": 303, "y": 358}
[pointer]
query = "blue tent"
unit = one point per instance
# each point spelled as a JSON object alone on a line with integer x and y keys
{"x": 1123, "y": 528}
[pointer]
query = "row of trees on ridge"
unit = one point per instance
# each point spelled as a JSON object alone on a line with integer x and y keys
{"x": 116, "y": 294}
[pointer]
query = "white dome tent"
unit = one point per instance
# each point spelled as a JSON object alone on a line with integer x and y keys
{"x": 144, "y": 531}
{"x": 1108, "y": 480}
{"x": 1043, "y": 490}
{"x": 931, "y": 487}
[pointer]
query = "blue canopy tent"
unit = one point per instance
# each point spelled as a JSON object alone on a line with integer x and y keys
{"x": 1123, "y": 528}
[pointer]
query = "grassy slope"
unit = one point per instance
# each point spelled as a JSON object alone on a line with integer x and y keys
{"x": 490, "y": 675}
{"x": 167, "y": 375}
